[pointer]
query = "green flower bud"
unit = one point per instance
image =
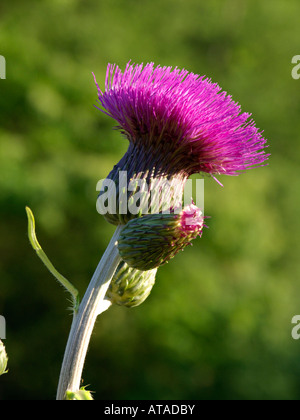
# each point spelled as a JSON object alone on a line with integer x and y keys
{"x": 130, "y": 287}
{"x": 150, "y": 241}
{"x": 3, "y": 359}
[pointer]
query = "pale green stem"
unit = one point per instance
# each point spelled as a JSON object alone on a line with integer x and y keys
{"x": 92, "y": 304}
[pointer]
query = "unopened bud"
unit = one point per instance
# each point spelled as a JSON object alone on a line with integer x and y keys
{"x": 152, "y": 240}
{"x": 130, "y": 287}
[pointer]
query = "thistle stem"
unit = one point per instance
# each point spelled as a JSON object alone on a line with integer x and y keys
{"x": 83, "y": 323}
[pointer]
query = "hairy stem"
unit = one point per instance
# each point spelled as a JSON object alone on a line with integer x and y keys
{"x": 83, "y": 323}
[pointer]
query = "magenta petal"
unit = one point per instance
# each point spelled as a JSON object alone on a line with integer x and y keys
{"x": 183, "y": 115}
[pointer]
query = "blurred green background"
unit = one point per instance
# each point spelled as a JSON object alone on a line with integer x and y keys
{"x": 218, "y": 322}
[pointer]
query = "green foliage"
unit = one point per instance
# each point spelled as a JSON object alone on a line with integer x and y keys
{"x": 81, "y": 395}
{"x": 41, "y": 254}
{"x": 218, "y": 321}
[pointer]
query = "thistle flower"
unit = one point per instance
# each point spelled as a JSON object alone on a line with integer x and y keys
{"x": 177, "y": 124}
{"x": 130, "y": 287}
{"x": 181, "y": 118}
{"x": 152, "y": 240}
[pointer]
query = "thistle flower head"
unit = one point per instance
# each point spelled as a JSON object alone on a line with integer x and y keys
{"x": 182, "y": 116}
{"x": 152, "y": 240}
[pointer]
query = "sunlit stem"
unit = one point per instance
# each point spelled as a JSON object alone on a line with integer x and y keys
{"x": 92, "y": 304}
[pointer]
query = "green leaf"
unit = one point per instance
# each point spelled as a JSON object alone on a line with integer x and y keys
{"x": 41, "y": 254}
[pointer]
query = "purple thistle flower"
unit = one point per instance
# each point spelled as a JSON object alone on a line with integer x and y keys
{"x": 182, "y": 120}
{"x": 177, "y": 124}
